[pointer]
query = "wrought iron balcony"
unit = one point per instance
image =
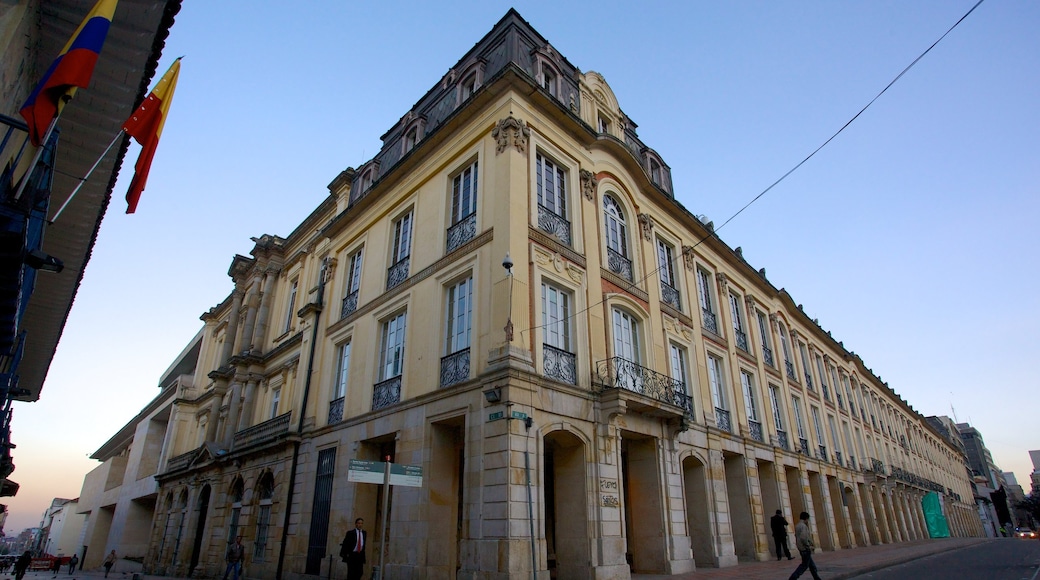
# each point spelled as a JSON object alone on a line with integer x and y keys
{"x": 756, "y": 430}
{"x": 670, "y": 296}
{"x": 397, "y": 273}
{"x": 710, "y": 323}
{"x": 823, "y": 453}
{"x": 386, "y": 393}
{"x": 619, "y": 264}
{"x": 852, "y": 462}
{"x": 803, "y": 446}
{"x": 349, "y": 304}
{"x": 837, "y": 458}
{"x": 336, "y": 410}
{"x": 826, "y": 391}
{"x": 683, "y": 401}
{"x": 808, "y": 381}
{"x": 722, "y": 420}
{"x": 560, "y": 364}
{"x": 790, "y": 370}
{"x": 620, "y": 373}
{"x": 554, "y": 225}
{"x": 767, "y": 355}
{"x": 263, "y": 432}
{"x": 877, "y": 466}
{"x": 742, "y": 342}
{"x": 781, "y": 440}
{"x": 455, "y": 368}
{"x": 463, "y": 231}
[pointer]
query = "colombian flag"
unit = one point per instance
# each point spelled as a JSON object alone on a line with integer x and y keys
{"x": 146, "y": 125}
{"x": 73, "y": 68}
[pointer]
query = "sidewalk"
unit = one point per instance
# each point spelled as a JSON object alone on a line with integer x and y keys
{"x": 832, "y": 565}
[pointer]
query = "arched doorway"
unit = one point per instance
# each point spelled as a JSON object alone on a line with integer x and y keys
{"x": 200, "y": 527}
{"x": 566, "y": 506}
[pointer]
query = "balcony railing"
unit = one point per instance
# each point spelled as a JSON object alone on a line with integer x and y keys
{"x": 722, "y": 420}
{"x": 790, "y": 370}
{"x": 682, "y": 400}
{"x": 670, "y": 296}
{"x": 463, "y": 231}
{"x": 877, "y": 466}
{"x": 767, "y": 355}
{"x": 742, "y": 343}
{"x": 397, "y": 273}
{"x": 781, "y": 440}
{"x": 336, "y": 410}
{"x": 803, "y": 447}
{"x": 756, "y": 430}
{"x": 837, "y": 458}
{"x": 619, "y": 264}
{"x": 386, "y": 393}
{"x": 455, "y": 368}
{"x": 554, "y": 225}
{"x": 262, "y": 432}
{"x": 181, "y": 461}
{"x": 349, "y": 304}
{"x": 560, "y": 364}
{"x": 620, "y": 373}
{"x": 808, "y": 381}
{"x": 710, "y": 323}
{"x": 823, "y": 453}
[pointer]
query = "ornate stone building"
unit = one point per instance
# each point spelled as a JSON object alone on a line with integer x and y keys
{"x": 626, "y": 395}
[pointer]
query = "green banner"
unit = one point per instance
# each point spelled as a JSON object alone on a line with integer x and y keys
{"x": 933, "y": 516}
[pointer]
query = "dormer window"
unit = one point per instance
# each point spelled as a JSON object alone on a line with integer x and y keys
{"x": 655, "y": 172}
{"x": 410, "y": 139}
{"x": 548, "y": 80}
{"x": 468, "y": 87}
{"x": 604, "y": 124}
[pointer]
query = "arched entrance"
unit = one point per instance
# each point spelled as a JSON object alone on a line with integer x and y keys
{"x": 566, "y": 514}
{"x": 199, "y": 528}
{"x": 856, "y": 515}
{"x": 698, "y": 511}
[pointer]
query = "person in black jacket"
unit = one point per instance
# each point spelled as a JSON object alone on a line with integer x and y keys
{"x": 778, "y": 524}
{"x": 22, "y": 564}
{"x": 352, "y": 550}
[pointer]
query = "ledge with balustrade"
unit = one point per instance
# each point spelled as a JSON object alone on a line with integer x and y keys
{"x": 618, "y": 376}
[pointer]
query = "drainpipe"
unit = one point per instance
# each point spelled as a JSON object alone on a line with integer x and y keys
{"x": 317, "y": 305}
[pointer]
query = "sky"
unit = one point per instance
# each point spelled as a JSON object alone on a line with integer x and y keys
{"x": 911, "y": 236}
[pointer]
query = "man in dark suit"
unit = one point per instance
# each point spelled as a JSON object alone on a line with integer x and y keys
{"x": 778, "y": 524}
{"x": 353, "y": 550}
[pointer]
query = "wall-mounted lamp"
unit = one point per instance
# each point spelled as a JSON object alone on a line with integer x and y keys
{"x": 493, "y": 395}
{"x": 43, "y": 262}
{"x": 507, "y": 263}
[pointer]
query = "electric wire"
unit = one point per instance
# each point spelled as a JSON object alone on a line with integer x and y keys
{"x": 713, "y": 231}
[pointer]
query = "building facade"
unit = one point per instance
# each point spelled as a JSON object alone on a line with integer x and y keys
{"x": 509, "y": 297}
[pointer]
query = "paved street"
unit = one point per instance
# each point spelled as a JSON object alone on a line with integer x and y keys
{"x": 996, "y": 560}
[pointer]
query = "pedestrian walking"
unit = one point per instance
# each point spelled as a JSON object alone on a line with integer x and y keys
{"x": 56, "y": 567}
{"x": 803, "y": 541}
{"x": 22, "y": 564}
{"x": 352, "y": 550}
{"x": 72, "y": 563}
{"x": 235, "y": 554}
{"x": 110, "y": 560}
{"x": 778, "y": 524}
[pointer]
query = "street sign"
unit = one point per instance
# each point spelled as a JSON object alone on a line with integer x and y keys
{"x": 519, "y": 415}
{"x": 361, "y": 471}
{"x": 406, "y": 475}
{"x": 496, "y": 416}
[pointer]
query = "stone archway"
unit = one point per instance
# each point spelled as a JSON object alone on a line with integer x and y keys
{"x": 698, "y": 511}
{"x": 566, "y": 516}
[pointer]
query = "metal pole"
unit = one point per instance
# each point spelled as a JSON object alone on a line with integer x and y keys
{"x": 84, "y": 179}
{"x": 36, "y": 157}
{"x": 530, "y": 514}
{"x": 386, "y": 512}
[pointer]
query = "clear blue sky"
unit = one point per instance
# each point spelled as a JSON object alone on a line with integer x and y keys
{"x": 911, "y": 237}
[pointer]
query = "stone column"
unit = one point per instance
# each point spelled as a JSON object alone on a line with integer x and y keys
{"x": 219, "y": 389}
{"x": 231, "y": 424}
{"x": 252, "y": 304}
{"x": 725, "y": 551}
{"x": 265, "y": 311}
{"x": 882, "y": 516}
{"x": 245, "y": 419}
{"x": 231, "y": 333}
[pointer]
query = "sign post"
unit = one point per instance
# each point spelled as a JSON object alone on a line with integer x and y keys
{"x": 387, "y": 474}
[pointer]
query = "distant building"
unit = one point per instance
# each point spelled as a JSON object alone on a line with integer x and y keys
{"x": 1034, "y": 477}
{"x": 61, "y": 529}
{"x": 592, "y": 383}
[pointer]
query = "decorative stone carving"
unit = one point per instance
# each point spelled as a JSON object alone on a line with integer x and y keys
{"x": 723, "y": 281}
{"x": 511, "y": 131}
{"x": 575, "y": 273}
{"x": 588, "y": 184}
{"x": 647, "y": 224}
{"x": 750, "y": 301}
{"x": 774, "y": 319}
{"x": 688, "y": 258}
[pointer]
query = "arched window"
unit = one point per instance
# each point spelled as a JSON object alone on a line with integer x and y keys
{"x": 235, "y": 498}
{"x": 616, "y": 232}
{"x": 265, "y": 493}
{"x": 628, "y": 371}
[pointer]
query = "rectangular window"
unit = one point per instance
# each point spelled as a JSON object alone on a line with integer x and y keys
{"x": 548, "y": 80}
{"x": 848, "y": 393}
{"x": 747, "y": 384}
{"x": 806, "y": 369}
{"x": 834, "y": 435}
{"x": 459, "y": 316}
{"x": 263, "y": 524}
{"x": 342, "y": 370}
{"x": 666, "y": 268}
{"x": 823, "y": 378}
{"x": 763, "y": 333}
{"x": 678, "y": 364}
{"x": 464, "y": 194}
{"x": 556, "y": 317}
{"x": 778, "y": 413}
{"x": 402, "y": 238}
{"x": 736, "y": 311}
{"x": 552, "y": 186}
{"x": 799, "y": 421}
{"x": 276, "y": 399}
{"x": 704, "y": 296}
{"x": 718, "y": 394}
{"x": 391, "y": 361}
{"x": 604, "y": 124}
{"x": 626, "y": 336}
{"x": 817, "y": 424}
{"x": 290, "y": 314}
{"x": 354, "y": 272}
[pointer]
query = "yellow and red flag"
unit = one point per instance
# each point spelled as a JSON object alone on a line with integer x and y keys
{"x": 146, "y": 125}
{"x": 73, "y": 68}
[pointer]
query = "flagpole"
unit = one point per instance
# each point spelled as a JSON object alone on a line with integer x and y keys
{"x": 37, "y": 156}
{"x": 84, "y": 179}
